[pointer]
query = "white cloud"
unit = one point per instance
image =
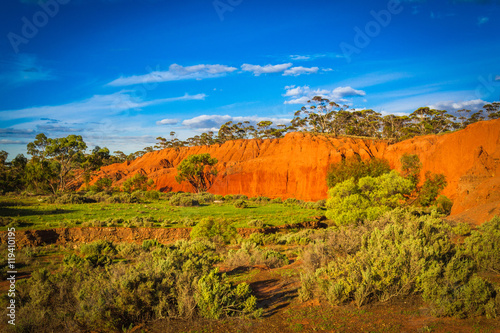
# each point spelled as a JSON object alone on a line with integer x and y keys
{"x": 174, "y": 73}
{"x": 295, "y": 71}
{"x": 482, "y": 20}
{"x": 94, "y": 107}
{"x": 451, "y": 106}
{"x": 300, "y": 57}
{"x": 306, "y": 93}
{"x": 167, "y": 121}
{"x": 10, "y": 142}
{"x": 215, "y": 121}
{"x": 258, "y": 70}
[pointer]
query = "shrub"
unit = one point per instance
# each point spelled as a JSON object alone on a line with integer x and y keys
{"x": 148, "y": 244}
{"x": 137, "y": 182}
{"x": 256, "y": 224}
{"x": 205, "y": 197}
{"x": 483, "y": 245}
{"x": 152, "y": 195}
{"x": 262, "y": 200}
{"x": 292, "y": 202}
{"x": 354, "y": 167}
{"x": 217, "y": 298}
{"x": 99, "y": 247}
{"x": 444, "y": 205}
{"x": 410, "y": 167}
{"x": 462, "y": 229}
{"x": 277, "y": 200}
{"x": 219, "y": 230}
{"x": 218, "y": 197}
{"x": 433, "y": 184}
{"x": 123, "y": 197}
{"x": 187, "y": 222}
{"x": 352, "y": 202}
{"x": 168, "y": 282}
{"x": 240, "y": 204}
{"x": 102, "y": 184}
{"x": 72, "y": 198}
{"x": 402, "y": 255}
{"x": 251, "y": 254}
{"x": 184, "y": 200}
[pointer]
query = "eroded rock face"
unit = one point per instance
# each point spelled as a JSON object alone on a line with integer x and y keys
{"x": 296, "y": 165}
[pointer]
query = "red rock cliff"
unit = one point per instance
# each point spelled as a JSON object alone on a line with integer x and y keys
{"x": 296, "y": 165}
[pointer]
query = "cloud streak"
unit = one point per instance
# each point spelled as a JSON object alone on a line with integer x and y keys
{"x": 95, "y": 106}
{"x": 175, "y": 73}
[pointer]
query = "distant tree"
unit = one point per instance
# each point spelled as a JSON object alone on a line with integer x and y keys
{"x": 198, "y": 170}
{"x": 493, "y": 110}
{"x": 66, "y": 151}
{"x": 118, "y": 157}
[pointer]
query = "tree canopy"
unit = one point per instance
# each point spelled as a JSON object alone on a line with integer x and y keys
{"x": 198, "y": 170}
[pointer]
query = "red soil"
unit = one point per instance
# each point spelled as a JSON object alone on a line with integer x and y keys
{"x": 296, "y": 166}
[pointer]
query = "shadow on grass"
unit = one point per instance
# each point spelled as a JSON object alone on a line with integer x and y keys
{"x": 20, "y": 212}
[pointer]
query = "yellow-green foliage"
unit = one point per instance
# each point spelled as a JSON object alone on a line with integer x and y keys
{"x": 167, "y": 282}
{"x": 219, "y": 230}
{"x": 216, "y": 297}
{"x": 251, "y": 254}
{"x": 355, "y": 168}
{"x": 410, "y": 255}
{"x": 484, "y": 245}
{"x": 352, "y": 201}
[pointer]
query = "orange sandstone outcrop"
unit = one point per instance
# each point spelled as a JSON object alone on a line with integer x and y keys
{"x": 296, "y": 165}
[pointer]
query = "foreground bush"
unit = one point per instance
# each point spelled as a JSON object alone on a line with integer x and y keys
{"x": 352, "y": 202}
{"x": 410, "y": 255}
{"x": 219, "y": 230}
{"x": 175, "y": 282}
{"x": 251, "y": 254}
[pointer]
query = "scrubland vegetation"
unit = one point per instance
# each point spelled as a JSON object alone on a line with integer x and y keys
{"x": 384, "y": 239}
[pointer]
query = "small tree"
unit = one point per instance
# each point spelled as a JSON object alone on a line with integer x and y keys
{"x": 198, "y": 170}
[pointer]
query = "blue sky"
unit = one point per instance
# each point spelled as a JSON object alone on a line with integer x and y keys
{"x": 122, "y": 72}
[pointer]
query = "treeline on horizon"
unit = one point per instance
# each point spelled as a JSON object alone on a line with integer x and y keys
{"x": 53, "y": 161}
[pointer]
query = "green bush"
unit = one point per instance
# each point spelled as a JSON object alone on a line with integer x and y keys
{"x": 217, "y": 298}
{"x": 240, "y": 203}
{"x": 433, "y": 184}
{"x": 102, "y": 184}
{"x": 277, "y": 200}
{"x": 483, "y": 245}
{"x": 218, "y": 197}
{"x": 410, "y": 167}
{"x": 137, "y": 182}
{"x": 402, "y": 255}
{"x": 256, "y": 224}
{"x": 168, "y": 282}
{"x": 209, "y": 228}
{"x": 184, "y": 200}
{"x": 72, "y": 198}
{"x": 251, "y": 254}
{"x": 352, "y": 202}
{"x": 354, "y": 167}
{"x": 290, "y": 202}
{"x": 205, "y": 197}
{"x": 444, "y": 205}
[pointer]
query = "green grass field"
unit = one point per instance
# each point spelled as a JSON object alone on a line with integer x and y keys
{"x": 34, "y": 213}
